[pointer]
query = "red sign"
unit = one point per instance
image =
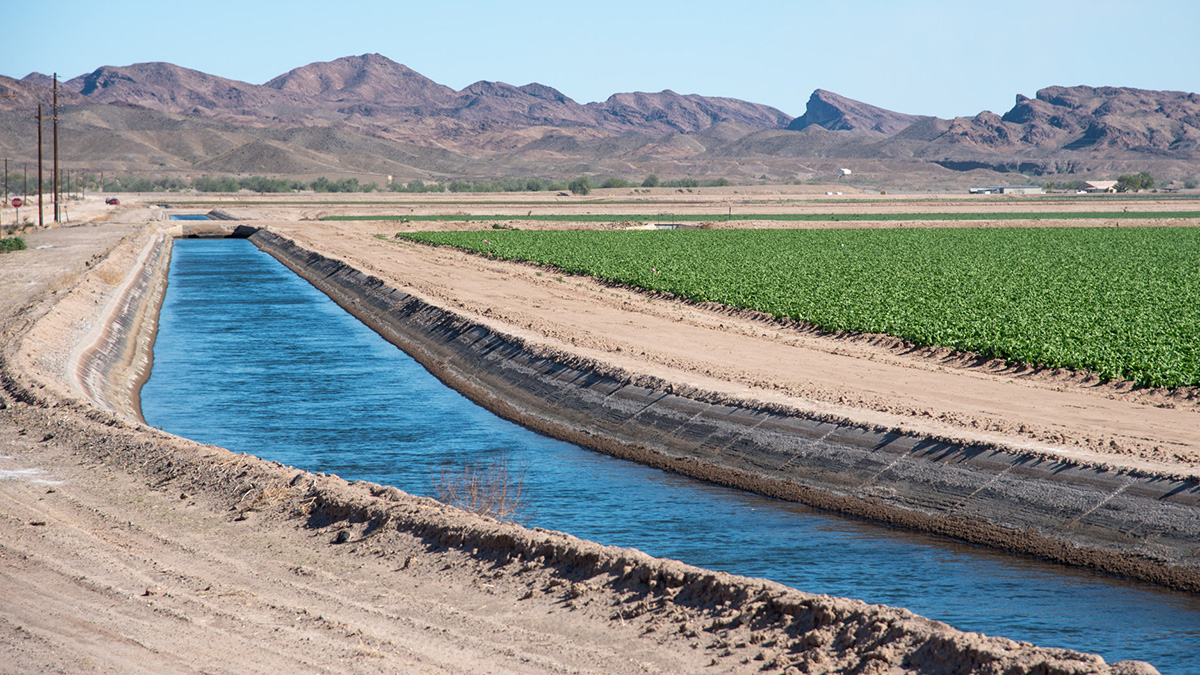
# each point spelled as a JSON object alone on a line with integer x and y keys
{"x": 17, "y": 202}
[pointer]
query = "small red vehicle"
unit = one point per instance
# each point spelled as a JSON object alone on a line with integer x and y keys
{"x": 112, "y": 201}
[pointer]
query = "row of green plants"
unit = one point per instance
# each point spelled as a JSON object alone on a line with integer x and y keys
{"x": 1121, "y": 302}
{"x": 790, "y": 217}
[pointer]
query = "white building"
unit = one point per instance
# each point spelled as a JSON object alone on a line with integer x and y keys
{"x": 1099, "y": 186}
{"x": 1009, "y": 190}
{"x": 844, "y": 172}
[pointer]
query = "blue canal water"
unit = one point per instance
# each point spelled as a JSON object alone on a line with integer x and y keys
{"x": 252, "y": 358}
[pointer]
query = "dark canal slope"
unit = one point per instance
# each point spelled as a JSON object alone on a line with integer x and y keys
{"x": 252, "y": 358}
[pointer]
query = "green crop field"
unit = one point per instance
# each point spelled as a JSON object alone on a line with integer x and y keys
{"x": 1121, "y": 302}
{"x": 790, "y": 217}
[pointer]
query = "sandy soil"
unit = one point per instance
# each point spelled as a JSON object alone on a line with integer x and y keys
{"x": 125, "y": 550}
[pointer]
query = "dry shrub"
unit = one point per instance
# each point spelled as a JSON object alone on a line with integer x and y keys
{"x": 110, "y": 274}
{"x": 492, "y": 490}
{"x": 268, "y": 497}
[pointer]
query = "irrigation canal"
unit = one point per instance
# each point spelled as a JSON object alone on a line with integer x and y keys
{"x": 252, "y": 358}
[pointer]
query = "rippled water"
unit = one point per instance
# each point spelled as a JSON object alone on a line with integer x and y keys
{"x": 252, "y": 358}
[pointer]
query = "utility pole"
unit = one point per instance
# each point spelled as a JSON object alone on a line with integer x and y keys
{"x": 41, "y": 218}
{"x": 56, "y": 219}
{"x": 5, "y": 203}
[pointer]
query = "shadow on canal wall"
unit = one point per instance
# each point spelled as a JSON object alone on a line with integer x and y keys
{"x": 1125, "y": 523}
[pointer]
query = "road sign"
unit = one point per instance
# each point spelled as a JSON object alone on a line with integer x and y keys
{"x": 17, "y": 202}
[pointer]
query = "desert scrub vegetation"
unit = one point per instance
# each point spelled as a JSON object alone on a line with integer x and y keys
{"x": 493, "y": 490}
{"x": 1123, "y": 303}
{"x": 12, "y": 244}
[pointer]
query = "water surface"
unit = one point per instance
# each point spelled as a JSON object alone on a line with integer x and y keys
{"x": 252, "y": 358}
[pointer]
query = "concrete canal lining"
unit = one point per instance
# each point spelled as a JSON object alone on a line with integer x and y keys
{"x": 112, "y": 364}
{"x": 1127, "y": 523}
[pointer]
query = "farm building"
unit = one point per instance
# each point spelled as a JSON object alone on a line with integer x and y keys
{"x": 844, "y": 172}
{"x": 1099, "y": 186}
{"x": 1008, "y": 190}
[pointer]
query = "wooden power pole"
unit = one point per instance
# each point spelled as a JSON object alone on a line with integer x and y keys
{"x": 56, "y": 216}
{"x": 41, "y": 218}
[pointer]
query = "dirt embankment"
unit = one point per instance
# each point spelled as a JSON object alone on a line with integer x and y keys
{"x": 126, "y": 549}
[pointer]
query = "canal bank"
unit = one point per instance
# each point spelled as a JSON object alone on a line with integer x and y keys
{"x": 1129, "y": 523}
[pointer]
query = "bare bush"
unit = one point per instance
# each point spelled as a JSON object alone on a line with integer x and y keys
{"x": 110, "y": 273}
{"x": 491, "y": 490}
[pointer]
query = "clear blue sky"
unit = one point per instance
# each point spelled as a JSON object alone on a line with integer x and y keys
{"x": 927, "y": 57}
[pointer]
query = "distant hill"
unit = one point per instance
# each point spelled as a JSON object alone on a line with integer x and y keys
{"x": 168, "y": 88}
{"x": 368, "y": 114}
{"x": 1095, "y": 119}
{"x": 370, "y": 78}
{"x": 838, "y": 113}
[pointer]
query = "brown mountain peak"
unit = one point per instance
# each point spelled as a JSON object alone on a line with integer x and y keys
{"x": 667, "y": 112}
{"x": 838, "y": 113}
{"x": 367, "y": 78}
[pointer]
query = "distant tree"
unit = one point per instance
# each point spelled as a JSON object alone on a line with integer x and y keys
{"x": 323, "y": 184}
{"x": 210, "y": 184}
{"x": 1128, "y": 182}
{"x": 580, "y": 186}
{"x": 615, "y": 182}
{"x": 1190, "y": 183}
{"x": 651, "y": 181}
{"x": 262, "y": 184}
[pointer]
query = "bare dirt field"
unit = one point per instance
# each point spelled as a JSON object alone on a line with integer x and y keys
{"x": 123, "y": 549}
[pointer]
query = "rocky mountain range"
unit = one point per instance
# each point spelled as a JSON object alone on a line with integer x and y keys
{"x": 370, "y": 115}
